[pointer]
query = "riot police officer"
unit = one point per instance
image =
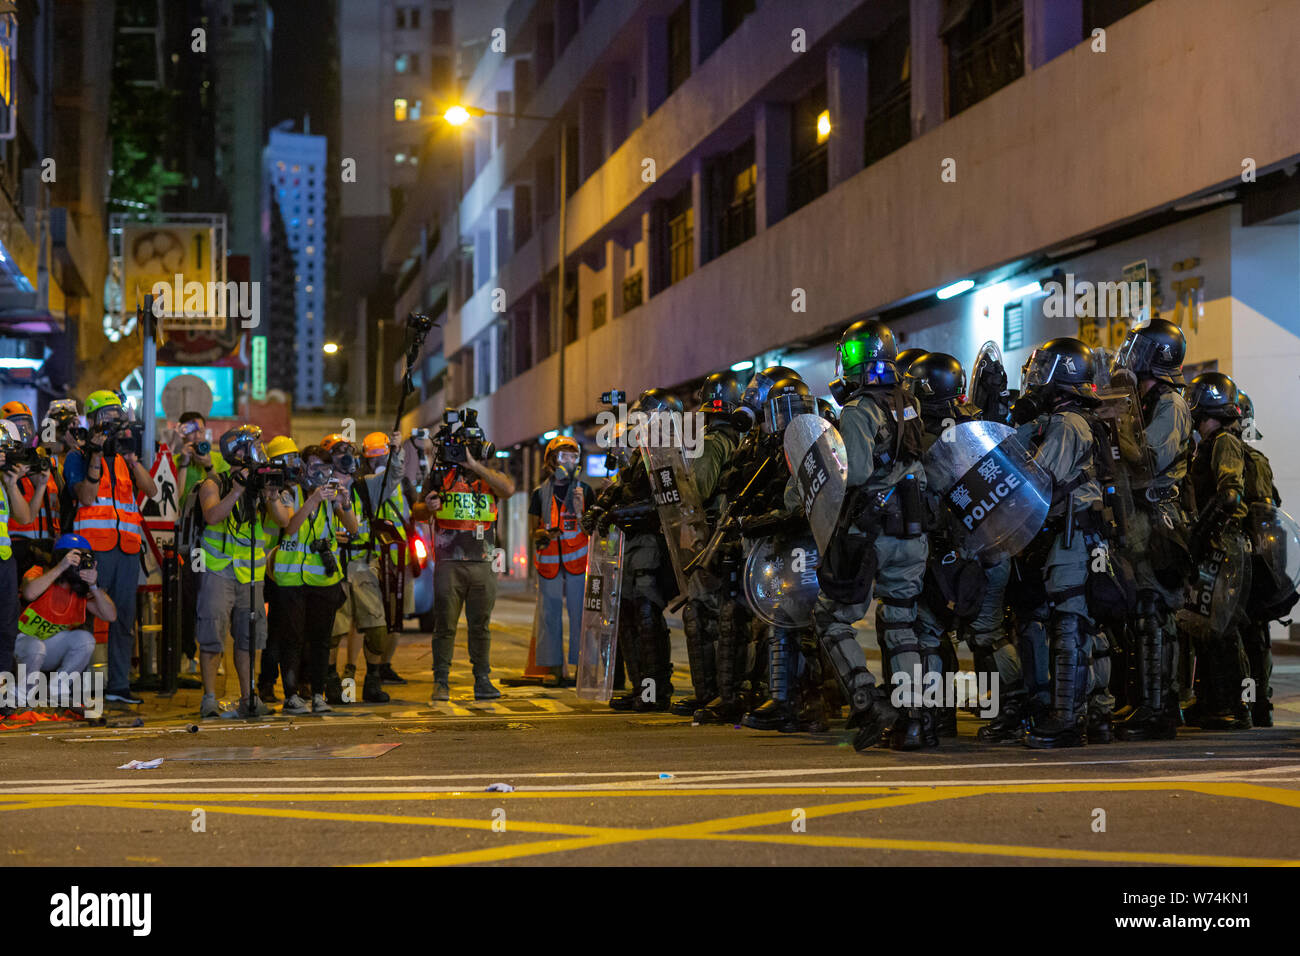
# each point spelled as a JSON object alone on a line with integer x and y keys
{"x": 878, "y": 540}
{"x": 1218, "y": 486}
{"x": 1156, "y": 535}
{"x": 648, "y": 580}
{"x": 1057, "y": 392}
{"x": 718, "y": 397}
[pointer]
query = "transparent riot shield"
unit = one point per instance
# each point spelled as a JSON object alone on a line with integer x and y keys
{"x": 988, "y": 384}
{"x": 600, "y": 602}
{"x": 814, "y": 453}
{"x": 990, "y": 482}
{"x": 1221, "y": 584}
{"x": 781, "y": 580}
{"x": 681, "y": 512}
{"x": 1132, "y": 461}
{"x": 1275, "y": 576}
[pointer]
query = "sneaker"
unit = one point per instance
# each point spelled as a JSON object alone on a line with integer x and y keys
{"x": 295, "y": 705}
{"x": 268, "y": 694}
{"x": 210, "y": 706}
{"x": 255, "y": 709}
{"x": 319, "y": 705}
{"x": 390, "y": 676}
{"x": 441, "y": 691}
{"x": 123, "y": 699}
{"x": 483, "y": 689}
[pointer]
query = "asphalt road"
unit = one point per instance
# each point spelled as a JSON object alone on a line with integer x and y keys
{"x": 592, "y": 787}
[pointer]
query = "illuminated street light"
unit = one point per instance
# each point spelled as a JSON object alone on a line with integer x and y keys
{"x": 457, "y": 115}
{"x": 330, "y": 348}
{"x": 823, "y": 126}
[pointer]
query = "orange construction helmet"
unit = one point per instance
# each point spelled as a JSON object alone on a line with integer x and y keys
{"x": 11, "y": 409}
{"x": 375, "y": 444}
{"x": 329, "y": 441}
{"x": 561, "y": 443}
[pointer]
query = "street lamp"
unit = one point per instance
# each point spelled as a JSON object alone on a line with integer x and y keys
{"x": 459, "y": 115}
{"x": 329, "y": 348}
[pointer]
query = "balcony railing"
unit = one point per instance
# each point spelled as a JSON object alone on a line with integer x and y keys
{"x": 889, "y": 125}
{"x": 988, "y": 62}
{"x": 808, "y": 177}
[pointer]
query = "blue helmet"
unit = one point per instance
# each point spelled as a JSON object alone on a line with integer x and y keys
{"x": 69, "y": 542}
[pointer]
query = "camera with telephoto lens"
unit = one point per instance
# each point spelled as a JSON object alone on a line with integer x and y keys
{"x": 273, "y": 475}
{"x": 37, "y": 460}
{"x": 326, "y": 553}
{"x": 121, "y": 438}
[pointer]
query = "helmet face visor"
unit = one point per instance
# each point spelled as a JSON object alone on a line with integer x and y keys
{"x": 26, "y": 428}
{"x": 781, "y": 410}
{"x": 755, "y": 393}
{"x": 1039, "y": 370}
{"x": 1136, "y": 354}
{"x": 317, "y": 473}
{"x": 110, "y": 413}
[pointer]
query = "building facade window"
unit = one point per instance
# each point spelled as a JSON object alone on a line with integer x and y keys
{"x": 442, "y": 28}
{"x": 681, "y": 236}
{"x": 889, "y": 91}
{"x": 732, "y": 182}
{"x": 599, "y": 310}
{"x": 985, "y": 47}
{"x": 401, "y": 109}
{"x": 679, "y": 46}
{"x": 808, "y": 166}
{"x": 633, "y": 292}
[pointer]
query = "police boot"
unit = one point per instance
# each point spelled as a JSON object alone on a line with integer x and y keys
{"x": 1009, "y": 724}
{"x": 778, "y": 712}
{"x": 726, "y": 707}
{"x": 701, "y": 652}
{"x": 1150, "y": 718}
{"x": 916, "y": 729}
{"x": 1066, "y": 725}
{"x": 656, "y": 660}
{"x": 1224, "y": 708}
{"x": 372, "y": 690}
{"x": 333, "y": 686}
{"x": 872, "y": 721}
{"x": 1099, "y": 726}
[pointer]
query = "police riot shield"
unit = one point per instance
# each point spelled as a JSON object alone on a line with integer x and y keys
{"x": 682, "y": 516}
{"x": 988, "y": 384}
{"x": 1220, "y": 585}
{"x": 601, "y": 598}
{"x": 1275, "y": 543}
{"x": 814, "y": 453}
{"x": 1132, "y": 461}
{"x": 990, "y": 482}
{"x": 781, "y": 579}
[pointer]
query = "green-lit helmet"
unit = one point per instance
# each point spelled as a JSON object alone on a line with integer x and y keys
{"x": 868, "y": 354}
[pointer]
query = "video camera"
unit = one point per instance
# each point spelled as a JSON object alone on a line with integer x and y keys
{"x": 121, "y": 438}
{"x": 459, "y": 436}
{"x": 270, "y": 475}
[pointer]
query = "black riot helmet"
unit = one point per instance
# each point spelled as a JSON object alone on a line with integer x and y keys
{"x": 1214, "y": 395}
{"x": 1155, "y": 349}
{"x": 868, "y": 354}
{"x": 1061, "y": 368}
{"x": 720, "y": 393}
{"x": 750, "y": 409}
{"x": 786, "y": 398}
{"x": 1248, "y": 415}
{"x": 906, "y": 358}
{"x": 936, "y": 380}
{"x": 656, "y": 400}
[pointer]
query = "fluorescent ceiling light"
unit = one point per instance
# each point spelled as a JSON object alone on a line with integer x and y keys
{"x": 742, "y": 366}
{"x": 1030, "y": 288}
{"x": 30, "y": 363}
{"x": 957, "y": 288}
{"x": 547, "y": 436}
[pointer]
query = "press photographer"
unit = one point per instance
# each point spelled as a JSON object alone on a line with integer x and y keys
{"x": 42, "y": 495}
{"x": 11, "y": 501}
{"x": 461, "y": 501}
{"x": 237, "y": 508}
{"x": 53, "y": 634}
{"x": 106, "y": 475}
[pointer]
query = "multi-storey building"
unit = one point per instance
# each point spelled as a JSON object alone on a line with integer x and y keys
{"x": 295, "y": 178}
{"x": 742, "y": 179}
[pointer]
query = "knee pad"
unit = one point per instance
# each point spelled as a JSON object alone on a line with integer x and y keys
{"x": 375, "y": 639}
{"x": 691, "y": 620}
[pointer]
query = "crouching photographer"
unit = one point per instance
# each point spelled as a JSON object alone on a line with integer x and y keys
{"x": 239, "y": 508}
{"x": 106, "y": 475}
{"x": 53, "y": 636}
{"x": 461, "y": 497}
{"x": 307, "y": 572}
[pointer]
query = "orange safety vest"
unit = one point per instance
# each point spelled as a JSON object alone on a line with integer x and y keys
{"x": 113, "y": 521}
{"x": 46, "y": 524}
{"x": 466, "y": 505}
{"x": 570, "y": 547}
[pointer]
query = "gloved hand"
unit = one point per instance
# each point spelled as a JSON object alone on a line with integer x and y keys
{"x": 1214, "y": 520}
{"x": 591, "y": 517}
{"x": 541, "y": 538}
{"x": 1024, "y": 410}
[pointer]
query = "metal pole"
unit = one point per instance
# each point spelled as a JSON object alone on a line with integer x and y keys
{"x": 146, "y": 320}
{"x": 379, "y": 371}
{"x": 564, "y": 207}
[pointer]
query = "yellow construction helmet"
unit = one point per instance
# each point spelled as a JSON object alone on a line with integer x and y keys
{"x": 281, "y": 445}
